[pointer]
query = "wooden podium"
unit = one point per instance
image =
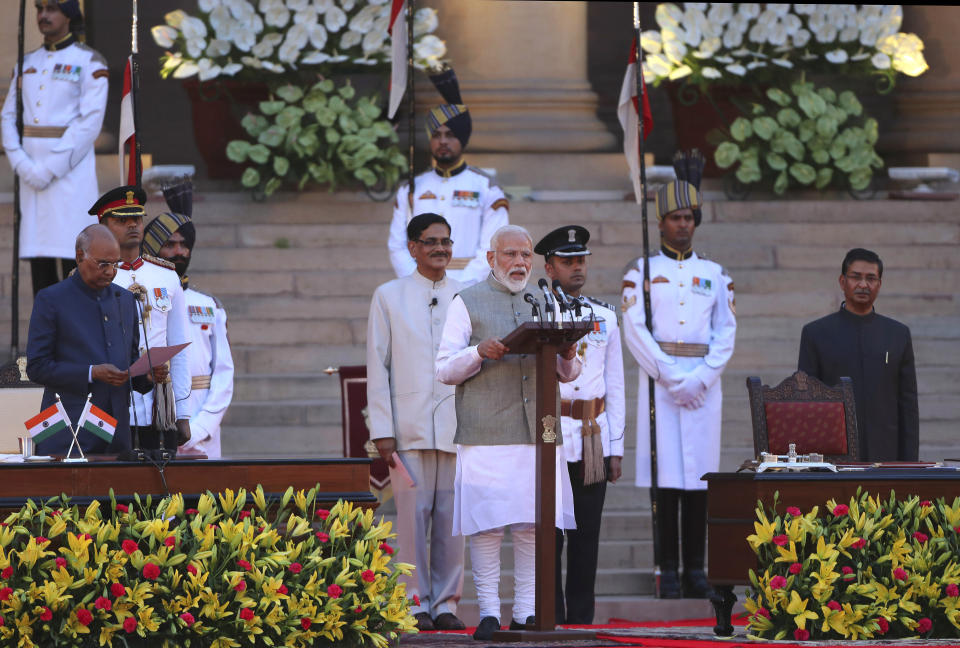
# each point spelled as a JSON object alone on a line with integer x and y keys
{"x": 544, "y": 339}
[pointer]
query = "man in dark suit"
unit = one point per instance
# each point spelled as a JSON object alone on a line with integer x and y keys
{"x": 83, "y": 337}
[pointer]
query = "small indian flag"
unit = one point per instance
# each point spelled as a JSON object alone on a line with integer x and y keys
{"x": 97, "y": 422}
{"x": 47, "y": 423}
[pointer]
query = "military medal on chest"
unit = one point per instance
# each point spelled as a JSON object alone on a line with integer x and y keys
{"x": 162, "y": 299}
{"x": 140, "y": 292}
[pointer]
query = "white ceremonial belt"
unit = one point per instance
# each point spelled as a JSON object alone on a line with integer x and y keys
{"x": 685, "y": 349}
{"x": 52, "y": 132}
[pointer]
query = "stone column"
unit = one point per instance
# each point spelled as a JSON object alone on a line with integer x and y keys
{"x": 523, "y": 72}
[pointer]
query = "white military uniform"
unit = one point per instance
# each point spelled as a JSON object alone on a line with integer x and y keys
{"x": 163, "y": 323}
{"x": 692, "y": 302}
{"x": 468, "y": 199}
{"x": 64, "y": 98}
{"x": 601, "y": 377}
{"x": 407, "y": 403}
{"x": 211, "y": 371}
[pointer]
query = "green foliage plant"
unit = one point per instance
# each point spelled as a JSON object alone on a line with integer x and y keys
{"x": 805, "y": 137}
{"x": 323, "y": 135}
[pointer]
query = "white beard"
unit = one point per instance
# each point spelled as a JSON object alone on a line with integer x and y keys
{"x": 512, "y": 285}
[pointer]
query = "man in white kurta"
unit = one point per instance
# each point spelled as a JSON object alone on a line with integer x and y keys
{"x": 496, "y": 426}
{"x": 694, "y": 327}
{"x": 470, "y": 201}
{"x": 171, "y": 236}
{"x": 64, "y": 99}
{"x": 412, "y": 418}
{"x": 163, "y": 318}
{"x": 592, "y": 409}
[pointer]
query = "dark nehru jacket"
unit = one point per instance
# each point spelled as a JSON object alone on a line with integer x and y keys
{"x": 877, "y": 354}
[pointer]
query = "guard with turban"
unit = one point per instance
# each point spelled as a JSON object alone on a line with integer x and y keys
{"x": 172, "y": 236}
{"x": 470, "y": 201}
{"x": 694, "y": 325}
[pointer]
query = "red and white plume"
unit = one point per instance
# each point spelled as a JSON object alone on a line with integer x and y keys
{"x": 398, "y": 55}
{"x": 128, "y": 175}
{"x": 628, "y": 111}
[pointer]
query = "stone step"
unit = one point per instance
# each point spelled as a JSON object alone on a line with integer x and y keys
{"x": 261, "y": 387}
{"x": 284, "y": 413}
{"x": 253, "y": 442}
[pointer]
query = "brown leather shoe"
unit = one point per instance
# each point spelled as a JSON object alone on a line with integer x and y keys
{"x": 448, "y": 621}
{"x": 424, "y": 622}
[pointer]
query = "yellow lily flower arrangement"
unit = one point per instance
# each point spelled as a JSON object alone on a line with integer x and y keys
{"x": 222, "y": 575}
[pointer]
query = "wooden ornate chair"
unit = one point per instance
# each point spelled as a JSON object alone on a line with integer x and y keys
{"x": 804, "y": 411}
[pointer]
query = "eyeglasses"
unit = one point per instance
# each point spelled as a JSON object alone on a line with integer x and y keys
{"x": 103, "y": 266}
{"x": 434, "y": 242}
{"x": 870, "y": 280}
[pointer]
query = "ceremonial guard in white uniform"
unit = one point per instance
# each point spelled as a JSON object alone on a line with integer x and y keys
{"x": 412, "y": 417}
{"x": 172, "y": 236}
{"x": 592, "y": 409}
{"x": 694, "y": 327}
{"x": 64, "y": 99}
{"x": 163, "y": 412}
{"x": 466, "y": 197}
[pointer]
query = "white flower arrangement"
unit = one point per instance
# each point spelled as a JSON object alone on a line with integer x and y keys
{"x": 232, "y": 37}
{"x": 728, "y": 42}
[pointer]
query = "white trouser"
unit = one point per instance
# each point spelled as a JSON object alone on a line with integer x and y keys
{"x": 485, "y": 560}
{"x": 425, "y": 519}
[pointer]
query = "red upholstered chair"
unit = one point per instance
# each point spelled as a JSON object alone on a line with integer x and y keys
{"x": 804, "y": 411}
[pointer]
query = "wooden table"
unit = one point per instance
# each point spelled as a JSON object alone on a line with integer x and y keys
{"x": 347, "y": 479}
{"x": 732, "y": 500}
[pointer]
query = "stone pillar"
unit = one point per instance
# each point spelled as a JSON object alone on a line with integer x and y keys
{"x": 523, "y": 72}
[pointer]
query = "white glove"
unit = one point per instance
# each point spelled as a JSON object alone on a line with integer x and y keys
{"x": 35, "y": 175}
{"x": 697, "y": 402}
{"x": 670, "y": 375}
{"x": 687, "y": 390}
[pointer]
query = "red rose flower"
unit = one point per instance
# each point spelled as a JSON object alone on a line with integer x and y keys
{"x": 187, "y": 618}
{"x": 953, "y": 590}
{"x": 1, "y": 621}
{"x": 61, "y": 562}
{"x": 322, "y": 537}
{"x": 778, "y": 582}
{"x": 305, "y": 623}
{"x": 833, "y": 605}
{"x": 87, "y": 536}
{"x": 123, "y": 508}
{"x": 246, "y": 614}
{"x": 780, "y": 540}
{"x": 764, "y": 612}
{"x": 41, "y": 540}
{"x": 102, "y": 603}
{"x": 924, "y": 625}
{"x": 956, "y": 529}
{"x": 5, "y": 593}
{"x": 130, "y": 624}
{"x": 295, "y": 567}
{"x": 368, "y": 576}
{"x": 900, "y": 573}
{"x": 841, "y": 509}
{"x": 46, "y": 615}
{"x": 416, "y": 600}
{"x": 323, "y": 514}
{"x": 128, "y": 546}
{"x": 846, "y": 570}
{"x": 334, "y": 591}
{"x": 801, "y": 635}
{"x": 192, "y": 569}
{"x": 883, "y": 625}
{"x": 244, "y": 564}
{"x": 117, "y": 590}
{"x": 84, "y": 616}
{"x": 795, "y": 568}
{"x": 926, "y": 503}
{"x": 794, "y": 511}
{"x": 170, "y": 541}
{"x": 151, "y": 571}
{"x": 920, "y": 537}
{"x": 244, "y": 515}
{"x": 7, "y": 572}
{"x": 191, "y": 511}
{"x": 358, "y": 610}
{"x": 241, "y": 586}
{"x": 859, "y": 543}
{"x": 282, "y": 589}
{"x": 385, "y": 548}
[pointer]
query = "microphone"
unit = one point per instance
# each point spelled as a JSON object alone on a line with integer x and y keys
{"x": 433, "y": 302}
{"x": 548, "y": 301}
{"x": 135, "y": 453}
{"x": 535, "y": 310}
{"x": 565, "y": 302}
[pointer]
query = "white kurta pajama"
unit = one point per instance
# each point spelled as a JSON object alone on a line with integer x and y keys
{"x": 693, "y": 303}
{"x": 407, "y": 403}
{"x": 65, "y": 88}
{"x": 209, "y": 360}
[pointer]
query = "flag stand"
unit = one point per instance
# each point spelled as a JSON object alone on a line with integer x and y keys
{"x": 76, "y": 441}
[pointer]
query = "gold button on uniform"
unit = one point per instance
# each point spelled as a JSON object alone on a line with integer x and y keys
{"x": 682, "y": 322}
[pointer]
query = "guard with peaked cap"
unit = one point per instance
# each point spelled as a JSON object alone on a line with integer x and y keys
{"x": 159, "y": 419}
{"x": 592, "y": 408}
{"x": 465, "y": 196}
{"x": 172, "y": 236}
{"x": 64, "y": 99}
{"x": 694, "y": 326}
